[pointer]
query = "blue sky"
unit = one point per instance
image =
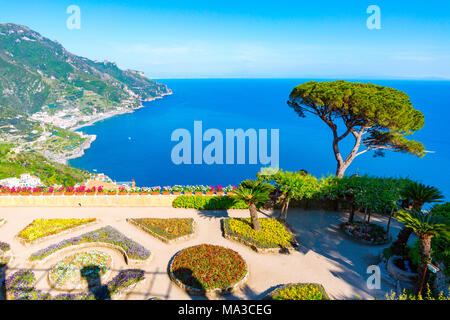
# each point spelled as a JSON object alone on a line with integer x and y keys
{"x": 290, "y": 39}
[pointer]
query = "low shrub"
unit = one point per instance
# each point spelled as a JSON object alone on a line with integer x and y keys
{"x": 207, "y": 267}
{"x": 405, "y": 295}
{"x": 272, "y": 234}
{"x": 107, "y": 235}
{"x": 300, "y": 291}
{"x": 200, "y": 202}
{"x": 41, "y": 228}
{"x": 169, "y": 229}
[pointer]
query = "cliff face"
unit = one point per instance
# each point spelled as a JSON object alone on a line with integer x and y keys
{"x": 36, "y": 71}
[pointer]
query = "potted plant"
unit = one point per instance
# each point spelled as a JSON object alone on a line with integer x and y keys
{"x": 230, "y": 190}
{"x": 48, "y": 191}
{"x": 100, "y": 191}
{"x": 210, "y": 190}
{"x": 123, "y": 191}
{"x": 156, "y": 191}
{"x": 36, "y": 191}
{"x": 188, "y": 190}
{"x": 166, "y": 190}
{"x": 70, "y": 191}
{"x": 220, "y": 191}
{"x": 59, "y": 191}
{"x": 145, "y": 191}
{"x": 4, "y": 191}
{"x": 15, "y": 191}
{"x": 176, "y": 190}
{"x": 80, "y": 191}
{"x": 135, "y": 191}
{"x": 112, "y": 192}
{"x": 91, "y": 191}
{"x": 25, "y": 192}
{"x": 198, "y": 190}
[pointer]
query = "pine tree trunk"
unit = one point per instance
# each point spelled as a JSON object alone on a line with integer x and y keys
{"x": 254, "y": 217}
{"x": 283, "y": 207}
{"x": 340, "y": 171}
{"x": 352, "y": 214}
{"x": 399, "y": 246}
{"x": 425, "y": 258}
{"x": 389, "y": 221}
{"x": 286, "y": 210}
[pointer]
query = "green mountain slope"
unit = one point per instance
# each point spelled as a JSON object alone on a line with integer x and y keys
{"x": 14, "y": 164}
{"x": 36, "y": 71}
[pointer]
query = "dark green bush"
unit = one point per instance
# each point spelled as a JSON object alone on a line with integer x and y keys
{"x": 208, "y": 203}
{"x": 441, "y": 245}
{"x": 442, "y": 209}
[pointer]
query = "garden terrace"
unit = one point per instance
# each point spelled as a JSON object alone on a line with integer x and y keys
{"x": 40, "y": 229}
{"x": 326, "y": 255}
{"x": 167, "y": 230}
{"x": 108, "y": 235}
{"x": 272, "y": 237}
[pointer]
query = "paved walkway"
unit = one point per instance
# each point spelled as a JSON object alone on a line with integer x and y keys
{"x": 325, "y": 255}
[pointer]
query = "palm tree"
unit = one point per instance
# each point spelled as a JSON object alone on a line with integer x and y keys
{"x": 426, "y": 226}
{"x": 253, "y": 193}
{"x": 416, "y": 195}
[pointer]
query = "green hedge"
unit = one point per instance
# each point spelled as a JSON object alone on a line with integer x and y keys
{"x": 200, "y": 202}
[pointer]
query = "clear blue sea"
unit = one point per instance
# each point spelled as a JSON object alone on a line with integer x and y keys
{"x": 138, "y": 145}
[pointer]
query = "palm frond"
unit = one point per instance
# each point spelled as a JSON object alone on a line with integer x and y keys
{"x": 253, "y": 191}
{"x": 425, "y": 224}
{"x": 423, "y": 193}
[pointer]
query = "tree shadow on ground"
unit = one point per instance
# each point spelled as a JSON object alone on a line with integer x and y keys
{"x": 319, "y": 232}
{"x": 3, "y": 268}
{"x": 212, "y": 214}
{"x": 186, "y": 276}
{"x": 95, "y": 287}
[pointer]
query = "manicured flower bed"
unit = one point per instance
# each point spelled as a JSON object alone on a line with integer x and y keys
{"x": 4, "y": 248}
{"x": 299, "y": 291}
{"x": 107, "y": 235}
{"x": 41, "y": 228}
{"x": 77, "y": 270}
{"x": 272, "y": 234}
{"x": 20, "y": 286}
{"x": 166, "y": 229}
{"x": 200, "y": 202}
{"x": 208, "y": 268}
{"x": 369, "y": 234}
